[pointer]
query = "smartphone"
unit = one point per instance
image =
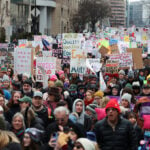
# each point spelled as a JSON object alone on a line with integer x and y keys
{"x": 55, "y": 136}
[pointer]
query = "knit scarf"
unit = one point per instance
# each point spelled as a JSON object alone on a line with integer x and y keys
{"x": 87, "y": 102}
{"x": 18, "y": 133}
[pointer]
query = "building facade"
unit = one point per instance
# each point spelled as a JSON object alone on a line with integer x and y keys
{"x": 139, "y": 13}
{"x": 118, "y": 10}
{"x": 5, "y": 17}
{"x": 62, "y": 16}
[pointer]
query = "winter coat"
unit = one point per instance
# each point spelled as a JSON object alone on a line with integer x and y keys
{"x": 43, "y": 114}
{"x": 83, "y": 118}
{"x": 123, "y": 138}
{"x": 13, "y": 146}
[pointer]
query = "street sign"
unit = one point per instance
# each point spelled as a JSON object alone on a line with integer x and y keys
{"x": 37, "y": 12}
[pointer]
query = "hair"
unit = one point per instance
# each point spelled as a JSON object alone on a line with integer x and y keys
{"x": 32, "y": 146}
{"x": 29, "y": 115}
{"x": 91, "y": 92}
{"x": 130, "y": 115}
{"x": 7, "y": 137}
{"x": 5, "y": 108}
{"x": 11, "y": 102}
{"x": 62, "y": 103}
{"x": 11, "y": 72}
{"x": 61, "y": 109}
{"x": 105, "y": 100}
{"x": 18, "y": 114}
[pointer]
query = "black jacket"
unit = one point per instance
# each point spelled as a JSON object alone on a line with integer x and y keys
{"x": 13, "y": 146}
{"x": 123, "y": 138}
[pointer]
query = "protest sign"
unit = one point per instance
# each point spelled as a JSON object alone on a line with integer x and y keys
{"x": 78, "y": 65}
{"x": 3, "y": 45}
{"x": 94, "y": 64}
{"x": 57, "y": 53}
{"x": 48, "y": 64}
{"x": 47, "y": 53}
{"x": 103, "y": 51}
{"x": 58, "y": 64}
{"x": 89, "y": 46}
{"x": 22, "y": 41}
{"x": 114, "y": 49}
{"x": 123, "y": 46}
{"x": 148, "y": 45}
{"x": 125, "y": 60}
{"x": 112, "y": 66}
{"x": 113, "y": 41}
{"x": 72, "y": 41}
{"x": 23, "y": 60}
{"x": 137, "y": 57}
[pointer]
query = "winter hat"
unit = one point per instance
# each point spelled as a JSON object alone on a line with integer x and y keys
{"x": 101, "y": 113}
{"x": 59, "y": 83}
{"x": 91, "y": 108}
{"x": 25, "y": 99}
{"x": 128, "y": 85}
{"x": 53, "y": 78}
{"x": 122, "y": 72}
{"x": 113, "y": 104}
{"x": 130, "y": 74}
{"x": 91, "y": 136}
{"x": 60, "y": 72}
{"x": 5, "y": 78}
{"x": 127, "y": 97}
{"x": 78, "y": 129}
{"x": 38, "y": 94}
{"x": 136, "y": 84}
{"x": 73, "y": 87}
{"x": 28, "y": 82}
{"x": 99, "y": 93}
{"x": 16, "y": 84}
{"x": 91, "y": 76}
{"x": 86, "y": 143}
{"x": 35, "y": 134}
{"x": 26, "y": 75}
{"x": 145, "y": 86}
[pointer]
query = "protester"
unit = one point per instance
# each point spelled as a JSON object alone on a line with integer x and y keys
{"x": 109, "y": 128}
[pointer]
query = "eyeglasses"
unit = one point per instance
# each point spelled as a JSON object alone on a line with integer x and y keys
{"x": 60, "y": 120}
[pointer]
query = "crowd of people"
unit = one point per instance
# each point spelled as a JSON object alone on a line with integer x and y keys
{"x": 74, "y": 114}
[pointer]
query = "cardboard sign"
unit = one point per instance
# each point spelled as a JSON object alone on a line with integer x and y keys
{"x": 23, "y": 60}
{"x": 146, "y": 62}
{"x": 114, "y": 49}
{"x": 125, "y": 60}
{"x": 103, "y": 50}
{"x": 78, "y": 66}
{"x": 49, "y": 66}
{"x": 112, "y": 66}
{"x": 137, "y": 57}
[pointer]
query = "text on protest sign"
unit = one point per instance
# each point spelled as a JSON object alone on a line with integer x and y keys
{"x": 112, "y": 66}
{"x": 48, "y": 65}
{"x": 125, "y": 60}
{"x": 22, "y": 60}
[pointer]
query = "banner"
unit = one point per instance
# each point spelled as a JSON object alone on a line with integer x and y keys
{"x": 49, "y": 66}
{"x": 112, "y": 66}
{"x": 125, "y": 60}
{"x": 22, "y": 60}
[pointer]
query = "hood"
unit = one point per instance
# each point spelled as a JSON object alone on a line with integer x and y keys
{"x": 74, "y": 104}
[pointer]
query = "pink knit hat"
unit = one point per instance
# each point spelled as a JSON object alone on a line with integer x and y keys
{"x": 53, "y": 78}
{"x": 60, "y": 72}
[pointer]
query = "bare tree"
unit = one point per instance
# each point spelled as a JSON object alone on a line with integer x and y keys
{"x": 90, "y": 11}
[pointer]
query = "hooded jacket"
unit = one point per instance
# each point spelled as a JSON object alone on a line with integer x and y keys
{"x": 83, "y": 118}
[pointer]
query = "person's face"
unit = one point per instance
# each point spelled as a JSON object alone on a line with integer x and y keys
{"x": 73, "y": 136}
{"x": 8, "y": 72}
{"x": 88, "y": 96}
{"x": 93, "y": 81}
{"x": 26, "y": 88}
{"x": 121, "y": 76}
{"x": 112, "y": 114}
{"x": 132, "y": 120}
{"x": 125, "y": 103}
{"x": 26, "y": 140}
{"x": 16, "y": 97}
{"x": 37, "y": 102}
{"x": 17, "y": 123}
{"x": 79, "y": 107}
{"x": 51, "y": 98}
{"x": 62, "y": 76}
{"x": 146, "y": 91}
{"x": 6, "y": 84}
{"x": 78, "y": 146}
{"x": 2, "y": 101}
{"x": 114, "y": 91}
{"x": 66, "y": 80}
{"x": 61, "y": 118}
{"x": 98, "y": 100}
{"x": 24, "y": 105}
{"x": 74, "y": 75}
{"x": 142, "y": 73}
